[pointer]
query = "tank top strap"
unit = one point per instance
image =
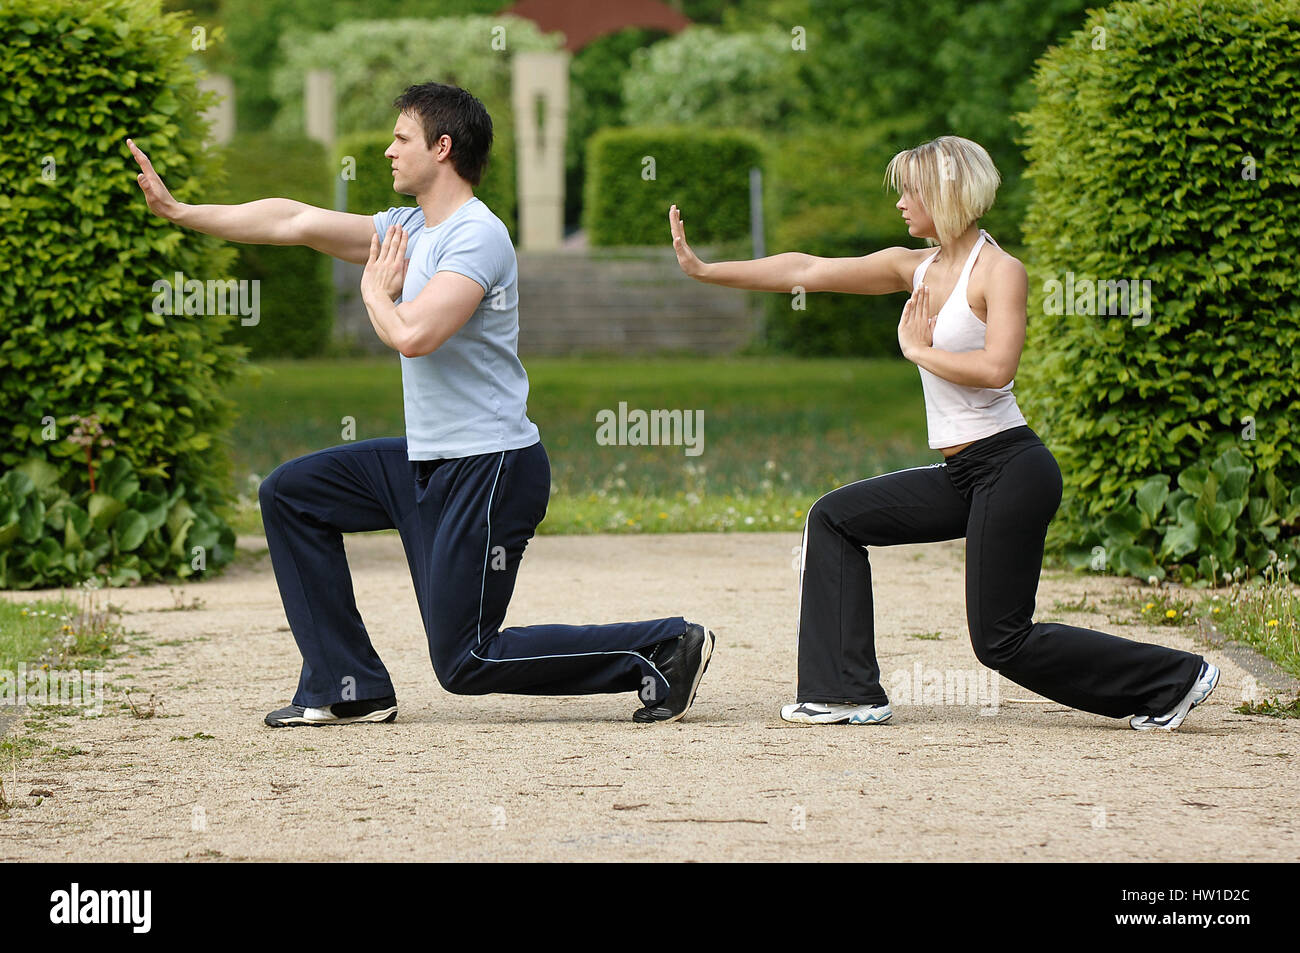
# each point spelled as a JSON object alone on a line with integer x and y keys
{"x": 970, "y": 260}
{"x": 922, "y": 268}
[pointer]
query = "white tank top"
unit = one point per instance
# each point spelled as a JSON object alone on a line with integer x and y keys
{"x": 955, "y": 413}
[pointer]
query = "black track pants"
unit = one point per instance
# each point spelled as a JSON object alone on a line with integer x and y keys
{"x": 999, "y": 493}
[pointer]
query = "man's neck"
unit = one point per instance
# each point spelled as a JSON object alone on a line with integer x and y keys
{"x": 442, "y": 200}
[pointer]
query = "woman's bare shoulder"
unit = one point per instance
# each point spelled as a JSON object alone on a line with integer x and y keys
{"x": 998, "y": 262}
{"x": 1000, "y": 255}
{"x": 915, "y": 256}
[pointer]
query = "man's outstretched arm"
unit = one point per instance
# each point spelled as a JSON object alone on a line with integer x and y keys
{"x": 264, "y": 222}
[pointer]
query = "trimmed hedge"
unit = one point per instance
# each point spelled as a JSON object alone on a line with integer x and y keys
{"x": 628, "y": 195}
{"x": 596, "y": 101}
{"x": 297, "y": 292}
{"x": 372, "y": 189}
{"x": 827, "y": 197}
{"x": 258, "y": 29}
{"x": 961, "y": 68}
{"x": 79, "y": 336}
{"x": 1169, "y": 155}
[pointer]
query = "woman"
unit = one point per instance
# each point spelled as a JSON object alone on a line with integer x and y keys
{"x": 998, "y": 485}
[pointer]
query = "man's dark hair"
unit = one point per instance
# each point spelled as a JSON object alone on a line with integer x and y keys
{"x": 451, "y": 111}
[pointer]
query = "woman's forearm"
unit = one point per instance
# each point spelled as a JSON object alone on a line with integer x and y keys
{"x": 774, "y": 273}
{"x": 967, "y": 368}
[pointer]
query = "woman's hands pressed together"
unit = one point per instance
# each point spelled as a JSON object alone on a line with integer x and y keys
{"x": 916, "y": 327}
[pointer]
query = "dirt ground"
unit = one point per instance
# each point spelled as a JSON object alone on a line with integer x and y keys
{"x": 1002, "y": 777}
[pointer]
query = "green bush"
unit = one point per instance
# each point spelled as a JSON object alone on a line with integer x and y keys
{"x": 827, "y": 198}
{"x": 708, "y": 77}
{"x": 256, "y": 27}
{"x": 373, "y": 61}
{"x": 1163, "y": 149}
{"x": 962, "y": 67}
{"x": 125, "y": 530}
{"x": 1215, "y": 516}
{"x": 372, "y": 189}
{"x": 635, "y": 174}
{"x": 596, "y": 101}
{"x": 297, "y": 293}
{"x": 80, "y": 333}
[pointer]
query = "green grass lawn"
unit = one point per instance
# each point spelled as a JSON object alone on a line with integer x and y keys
{"x": 777, "y": 433}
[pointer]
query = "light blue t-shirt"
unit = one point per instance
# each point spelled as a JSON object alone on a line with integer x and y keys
{"x": 469, "y": 396}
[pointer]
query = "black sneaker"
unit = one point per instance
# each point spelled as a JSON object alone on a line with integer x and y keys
{"x": 340, "y": 713}
{"x": 683, "y": 662}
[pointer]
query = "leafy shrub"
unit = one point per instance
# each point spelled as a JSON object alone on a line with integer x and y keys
{"x": 706, "y": 77}
{"x": 256, "y": 27}
{"x": 827, "y": 199}
{"x": 596, "y": 101}
{"x": 635, "y": 174}
{"x": 961, "y": 68}
{"x": 1203, "y": 528}
{"x": 297, "y": 294}
{"x": 80, "y": 336}
{"x": 1163, "y": 149}
{"x": 126, "y": 530}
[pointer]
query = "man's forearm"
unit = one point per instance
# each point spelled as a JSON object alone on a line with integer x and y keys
{"x": 263, "y": 222}
{"x": 385, "y": 319}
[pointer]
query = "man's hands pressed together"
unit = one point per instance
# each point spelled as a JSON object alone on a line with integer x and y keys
{"x": 419, "y": 325}
{"x": 386, "y": 269}
{"x": 381, "y": 284}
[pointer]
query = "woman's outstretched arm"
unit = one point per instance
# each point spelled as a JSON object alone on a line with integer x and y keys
{"x": 882, "y": 272}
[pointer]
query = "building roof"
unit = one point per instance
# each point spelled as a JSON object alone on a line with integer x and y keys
{"x": 582, "y": 21}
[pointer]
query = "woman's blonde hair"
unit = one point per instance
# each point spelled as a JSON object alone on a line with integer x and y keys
{"x": 953, "y": 177}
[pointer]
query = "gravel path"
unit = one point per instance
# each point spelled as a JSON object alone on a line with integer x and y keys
{"x": 1006, "y": 776}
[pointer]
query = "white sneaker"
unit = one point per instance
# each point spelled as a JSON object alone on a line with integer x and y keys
{"x": 339, "y": 713}
{"x": 817, "y": 713}
{"x": 1200, "y": 691}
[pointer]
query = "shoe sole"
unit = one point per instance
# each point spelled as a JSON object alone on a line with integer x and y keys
{"x": 383, "y": 715}
{"x": 706, "y": 653}
{"x": 827, "y": 719}
{"x": 1181, "y": 716}
{"x": 847, "y": 718}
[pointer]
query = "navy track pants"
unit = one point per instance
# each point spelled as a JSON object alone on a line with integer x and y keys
{"x": 464, "y": 524}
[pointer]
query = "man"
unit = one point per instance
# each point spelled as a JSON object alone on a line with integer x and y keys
{"x": 468, "y": 484}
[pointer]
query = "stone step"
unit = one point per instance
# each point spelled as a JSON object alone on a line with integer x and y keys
{"x": 624, "y": 301}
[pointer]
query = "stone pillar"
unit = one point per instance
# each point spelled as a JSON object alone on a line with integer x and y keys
{"x": 222, "y": 115}
{"x": 318, "y": 103}
{"x": 318, "y": 116}
{"x": 540, "y": 86}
